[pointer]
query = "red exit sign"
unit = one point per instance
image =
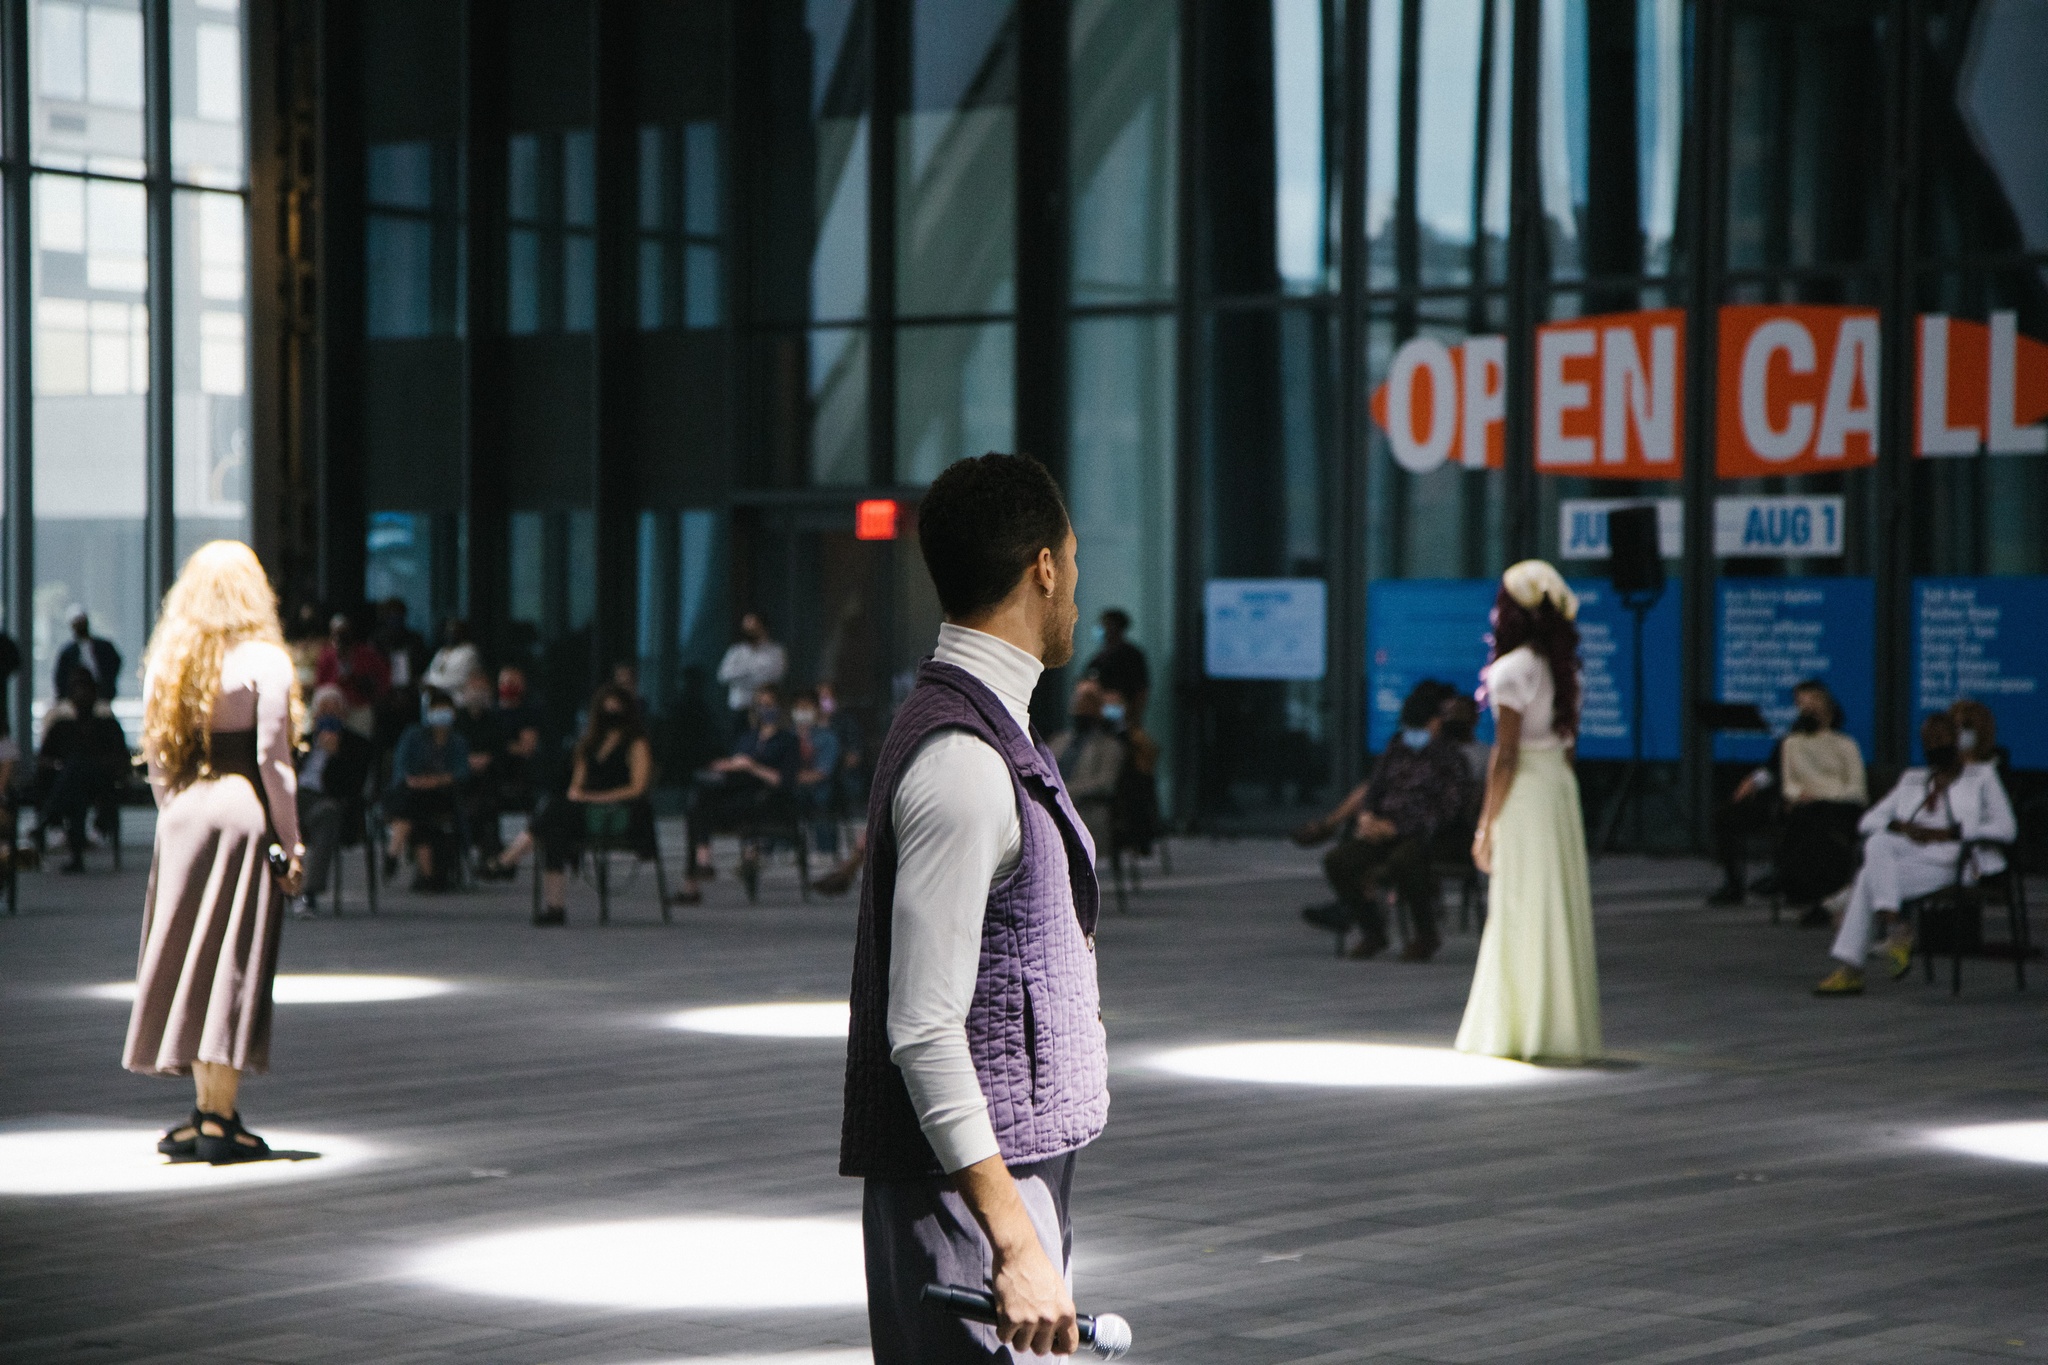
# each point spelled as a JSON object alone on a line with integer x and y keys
{"x": 875, "y": 519}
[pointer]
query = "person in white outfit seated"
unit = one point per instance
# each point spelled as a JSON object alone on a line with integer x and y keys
{"x": 1913, "y": 844}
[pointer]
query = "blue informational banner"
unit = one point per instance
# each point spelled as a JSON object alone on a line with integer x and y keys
{"x": 1266, "y": 628}
{"x": 1437, "y": 628}
{"x": 1983, "y": 638}
{"x": 1770, "y": 633}
{"x": 1607, "y": 673}
{"x": 1421, "y": 628}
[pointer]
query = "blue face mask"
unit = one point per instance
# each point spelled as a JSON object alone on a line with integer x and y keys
{"x": 327, "y": 725}
{"x": 441, "y": 717}
{"x": 1114, "y": 713}
{"x": 1415, "y": 737}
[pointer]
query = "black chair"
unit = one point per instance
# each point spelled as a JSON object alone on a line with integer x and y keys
{"x": 780, "y": 819}
{"x": 362, "y": 830}
{"x": 1950, "y": 922}
{"x": 601, "y": 848}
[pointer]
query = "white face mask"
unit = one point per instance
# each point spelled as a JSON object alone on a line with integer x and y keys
{"x": 1416, "y": 737}
{"x": 1966, "y": 740}
{"x": 804, "y": 718}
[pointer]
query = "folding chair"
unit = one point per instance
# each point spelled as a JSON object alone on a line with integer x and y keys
{"x": 1950, "y": 922}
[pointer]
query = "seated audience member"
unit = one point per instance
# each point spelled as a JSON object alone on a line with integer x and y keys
{"x": 455, "y": 662}
{"x": 761, "y": 772}
{"x": 1387, "y": 824}
{"x": 1913, "y": 845}
{"x": 1822, "y": 793}
{"x": 478, "y": 722}
{"x": 522, "y": 780}
{"x": 1757, "y": 801}
{"x": 1458, "y": 724}
{"x": 358, "y": 668}
{"x": 610, "y": 772}
{"x": 80, "y": 764}
{"x": 429, "y": 766}
{"x": 332, "y": 772}
{"x": 817, "y": 780}
{"x": 1092, "y": 753}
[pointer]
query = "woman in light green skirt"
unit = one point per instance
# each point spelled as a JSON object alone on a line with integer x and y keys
{"x": 1536, "y": 991}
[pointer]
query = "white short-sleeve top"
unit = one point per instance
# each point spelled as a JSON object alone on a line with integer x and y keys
{"x": 1521, "y": 679}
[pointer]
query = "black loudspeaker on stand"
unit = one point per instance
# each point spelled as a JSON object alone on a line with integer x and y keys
{"x": 1635, "y": 568}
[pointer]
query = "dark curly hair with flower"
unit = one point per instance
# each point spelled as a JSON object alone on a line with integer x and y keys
{"x": 1554, "y": 639}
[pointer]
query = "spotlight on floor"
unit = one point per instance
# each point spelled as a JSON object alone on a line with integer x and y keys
{"x": 2023, "y": 1141}
{"x": 73, "y": 1161}
{"x": 1352, "y": 1065}
{"x": 318, "y": 988}
{"x": 779, "y": 1019}
{"x": 676, "y": 1263}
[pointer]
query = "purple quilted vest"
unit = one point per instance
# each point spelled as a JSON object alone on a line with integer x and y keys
{"x": 1035, "y": 1025}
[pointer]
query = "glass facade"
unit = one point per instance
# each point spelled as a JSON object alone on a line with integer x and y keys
{"x": 1369, "y": 293}
{"x": 128, "y": 406}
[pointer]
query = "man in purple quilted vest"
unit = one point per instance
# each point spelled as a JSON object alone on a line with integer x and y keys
{"x": 975, "y": 1065}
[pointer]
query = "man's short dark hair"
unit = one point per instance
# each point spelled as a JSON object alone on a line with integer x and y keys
{"x": 982, "y": 524}
{"x": 1116, "y": 618}
{"x": 1424, "y": 701}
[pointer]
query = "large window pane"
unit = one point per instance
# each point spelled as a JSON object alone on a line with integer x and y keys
{"x": 956, "y": 161}
{"x": 86, "y": 105}
{"x": 1120, "y": 487}
{"x": 207, "y": 92}
{"x": 1985, "y": 160}
{"x": 550, "y": 250}
{"x": 811, "y": 179}
{"x": 210, "y": 369}
{"x": 91, "y": 387}
{"x": 955, "y": 396}
{"x": 1122, "y": 149}
{"x": 1305, "y": 203}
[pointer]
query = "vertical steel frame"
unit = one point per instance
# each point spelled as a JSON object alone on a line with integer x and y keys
{"x": 159, "y": 527}
{"x": 16, "y": 278}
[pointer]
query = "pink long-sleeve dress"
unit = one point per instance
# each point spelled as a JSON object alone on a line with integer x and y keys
{"x": 211, "y": 915}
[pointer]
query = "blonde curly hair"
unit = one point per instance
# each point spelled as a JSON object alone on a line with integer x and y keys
{"x": 221, "y": 599}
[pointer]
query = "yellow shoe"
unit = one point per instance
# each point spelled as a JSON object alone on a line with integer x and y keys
{"x": 1841, "y": 981}
{"x": 1898, "y": 955}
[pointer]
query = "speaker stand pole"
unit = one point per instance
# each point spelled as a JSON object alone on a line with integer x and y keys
{"x": 1627, "y": 796}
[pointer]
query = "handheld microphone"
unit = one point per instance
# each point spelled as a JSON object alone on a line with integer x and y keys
{"x": 1105, "y": 1334}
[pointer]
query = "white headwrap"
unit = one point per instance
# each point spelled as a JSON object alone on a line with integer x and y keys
{"x": 1532, "y": 580}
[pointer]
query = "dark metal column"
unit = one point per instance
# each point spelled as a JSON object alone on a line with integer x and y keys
{"x": 1042, "y": 274}
{"x": 159, "y": 529}
{"x": 891, "y": 90}
{"x": 1526, "y": 280}
{"x": 1706, "y": 167}
{"x": 338, "y": 306}
{"x": 613, "y": 445}
{"x": 1893, "y": 633}
{"x": 1347, "y": 545}
{"x": 483, "y": 227}
{"x": 1189, "y": 486}
{"x": 16, "y": 276}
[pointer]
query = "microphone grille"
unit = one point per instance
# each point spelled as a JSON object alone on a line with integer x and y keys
{"x": 1112, "y": 1336}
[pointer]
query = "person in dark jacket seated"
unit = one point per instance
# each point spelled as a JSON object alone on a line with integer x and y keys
{"x": 1386, "y": 825}
{"x": 762, "y": 771}
{"x": 80, "y": 764}
{"x": 429, "y": 766}
{"x": 332, "y": 772}
{"x": 610, "y": 771}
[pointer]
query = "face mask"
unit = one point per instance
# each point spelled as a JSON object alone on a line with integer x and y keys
{"x": 1967, "y": 741}
{"x": 441, "y": 717}
{"x": 610, "y": 719}
{"x": 327, "y": 725}
{"x": 511, "y": 697}
{"x": 1415, "y": 737}
{"x": 805, "y": 718}
{"x": 769, "y": 715}
{"x": 1806, "y": 723}
{"x": 827, "y": 705}
{"x": 1095, "y": 634}
{"x": 1942, "y": 756}
{"x": 1113, "y": 713}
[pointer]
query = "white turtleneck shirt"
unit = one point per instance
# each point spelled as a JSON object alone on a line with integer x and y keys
{"x": 958, "y": 832}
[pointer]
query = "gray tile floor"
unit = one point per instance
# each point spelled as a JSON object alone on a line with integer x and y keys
{"x": 1751, "y": 1181}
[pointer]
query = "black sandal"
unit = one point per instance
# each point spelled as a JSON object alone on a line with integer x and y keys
{"x": 171, "y": 1145}
{"x": 226, "y": 1149}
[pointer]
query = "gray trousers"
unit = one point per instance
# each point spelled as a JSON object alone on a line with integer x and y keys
{"x": 921, "y": 1232}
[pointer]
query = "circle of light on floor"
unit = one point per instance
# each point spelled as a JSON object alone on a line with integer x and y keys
{"x": 680, "y": 1263}
{"x": 1356, "y": 1065}
{"x": 778, "y": 1019}
{"x": 2024, "y": 1141}
{"x": 318, "y": 988}
{"x": 72, "y": 1161}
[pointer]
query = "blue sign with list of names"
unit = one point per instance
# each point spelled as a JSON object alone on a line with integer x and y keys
{"x": 1982, "y": 638}
{"x": 1772, "y": 633}
{"x": 1437, "y": 628}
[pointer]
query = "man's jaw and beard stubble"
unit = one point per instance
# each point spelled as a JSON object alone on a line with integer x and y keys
{"x": 1056, "y": 646}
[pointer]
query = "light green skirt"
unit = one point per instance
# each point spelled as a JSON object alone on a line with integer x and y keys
{"x": 1536, "y": 990}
